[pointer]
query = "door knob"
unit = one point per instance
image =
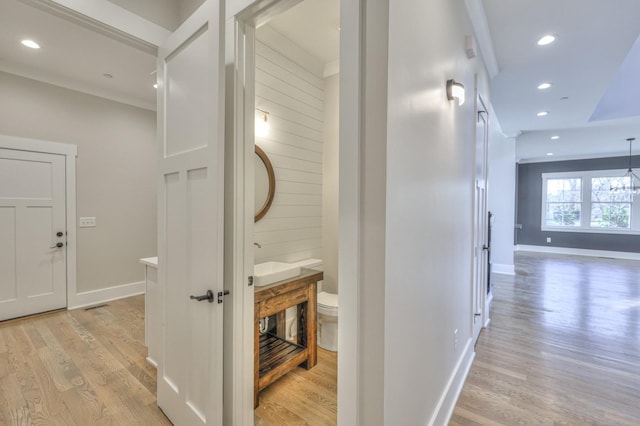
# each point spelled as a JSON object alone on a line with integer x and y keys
{"x": 58, "y": 245}
{"x": 208, "y": 296}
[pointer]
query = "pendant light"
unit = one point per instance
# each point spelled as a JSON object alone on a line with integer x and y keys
{"x": 633, "y": 188}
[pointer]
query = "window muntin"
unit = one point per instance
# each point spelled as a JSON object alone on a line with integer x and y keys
{"x": 563, "y": 202}
{"x": 592, "y": 208}
{"x": 610, "y": 209}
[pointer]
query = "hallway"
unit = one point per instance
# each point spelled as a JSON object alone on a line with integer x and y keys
{"x": 563, "y": 346}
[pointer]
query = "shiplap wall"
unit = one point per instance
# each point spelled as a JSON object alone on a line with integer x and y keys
{"x": 290, "y": 87}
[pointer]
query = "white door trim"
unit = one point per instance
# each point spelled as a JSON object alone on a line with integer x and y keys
{"x": 70, "y": 152}
{"x": 351, "y": 119}
{"x": 480, "y": 221}
{"x": 239, "y": 219}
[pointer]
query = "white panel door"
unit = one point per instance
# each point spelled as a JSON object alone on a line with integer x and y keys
{"x": 480, "y": 221}
{"x": 190, "y": 219}
{"x": 33, "y": 268}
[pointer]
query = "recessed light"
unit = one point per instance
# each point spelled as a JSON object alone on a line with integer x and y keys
{"x": 542, "y": 113}
{"x": 555, "y": 137}
{"x": 155, "y": 86}
{"x": 547, "y": 39}
{"x": 543, "y": 86}
{"x": 564, "y": 98}
{"x": 31, "y": 44}
{"x": 107, "y": 75}
{"x": 549, "y": 154}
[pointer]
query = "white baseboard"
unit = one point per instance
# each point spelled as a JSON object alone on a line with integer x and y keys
{"x": 580, "y": 252}
{"x": 504, "y": 269}
{"x": 449, "y": 397}
{"x": 152, "y": 362}
{"x": 103, "y": 295}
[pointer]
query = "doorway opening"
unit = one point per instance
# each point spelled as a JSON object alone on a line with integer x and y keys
{"x": 287, "y": 68}
{"x": 295, "y": 95}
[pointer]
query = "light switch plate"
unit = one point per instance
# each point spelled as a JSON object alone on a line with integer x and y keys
{"x": 87, "y": 222}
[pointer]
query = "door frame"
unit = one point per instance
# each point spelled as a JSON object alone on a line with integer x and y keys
{"x": 480, "y": 107}
{"x": 70, "y": 153}
{"x": 239, "y": 219}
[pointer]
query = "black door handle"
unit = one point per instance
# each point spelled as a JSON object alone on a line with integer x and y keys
{"x": 208, "y": 296}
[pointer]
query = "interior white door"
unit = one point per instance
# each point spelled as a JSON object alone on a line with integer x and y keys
{"x": 190, "y": 219}
{"x": 33, "y": 264}
{"x": 480, "y": 220}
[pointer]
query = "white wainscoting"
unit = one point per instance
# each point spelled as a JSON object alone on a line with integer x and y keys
{"x": 290, "y": 87}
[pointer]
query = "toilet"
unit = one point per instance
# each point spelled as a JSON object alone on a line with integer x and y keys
{"x": 327, "y": 312}
{"x": 328, "y": 321}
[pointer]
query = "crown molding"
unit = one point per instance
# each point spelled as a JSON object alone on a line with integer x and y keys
{"x": 107, "y": 19}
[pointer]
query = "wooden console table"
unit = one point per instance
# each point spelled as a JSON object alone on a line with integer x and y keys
{"x": 274, "y": 356}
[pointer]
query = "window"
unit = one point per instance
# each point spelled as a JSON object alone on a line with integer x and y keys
{"x": 610, "y": 209}
{"x": 564, "y": 202}
{"x": 584, "y": 202}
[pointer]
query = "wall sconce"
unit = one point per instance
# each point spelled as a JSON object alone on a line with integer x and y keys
{"x": 455, "y": 91}
{"x": 262, "y": 124}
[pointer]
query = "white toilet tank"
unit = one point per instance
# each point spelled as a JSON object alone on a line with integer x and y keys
{"x": 328, "y": 321}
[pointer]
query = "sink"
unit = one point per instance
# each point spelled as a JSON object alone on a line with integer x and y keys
{"x": 271, "y": 272}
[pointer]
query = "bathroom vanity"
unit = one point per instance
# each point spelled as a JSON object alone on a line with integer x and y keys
{"x": 274, "y": 356}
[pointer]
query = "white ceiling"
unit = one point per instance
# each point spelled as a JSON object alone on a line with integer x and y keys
{"x": 314, "y": 26}
{"x": 74, "y": 56}
{"x": 592, "y": 63}
{"x": 594, "y": 37}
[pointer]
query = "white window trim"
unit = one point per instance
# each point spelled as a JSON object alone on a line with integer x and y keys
{"x": 585, "y": 210}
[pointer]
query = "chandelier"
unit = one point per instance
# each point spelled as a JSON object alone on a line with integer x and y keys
{"x": 632, "y": 181}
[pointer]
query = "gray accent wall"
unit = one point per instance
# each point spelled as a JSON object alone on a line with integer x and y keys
{"x": 529, "y": 207}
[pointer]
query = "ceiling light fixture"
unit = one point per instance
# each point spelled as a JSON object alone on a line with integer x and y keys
{"x": 555, "y": 137}
{"x": 543, "y": 86}
{"x": 262, "y": 126}
{"x": 30, "y": 43}
{"x": 547, "y": 39}
{"x": 549, "y": 154}
{"x": 542, "y": 113}
{"x": 632, "y": 185}
{"x": 455, "y": 91}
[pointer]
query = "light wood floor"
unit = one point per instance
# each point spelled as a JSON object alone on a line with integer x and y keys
{"x": 563, "y": 346}
{"x": 302, "y": 397}
{"x": 88, "y": 368}
{"x": 78, "y": 368}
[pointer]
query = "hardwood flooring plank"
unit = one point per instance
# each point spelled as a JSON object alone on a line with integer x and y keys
{"x": 78, "y": 368}
{"x": 302, "y": 397}
{"x": 563, "y": 346}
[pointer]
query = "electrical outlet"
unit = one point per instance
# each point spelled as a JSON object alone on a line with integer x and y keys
{"x": 548, "y": 239}
{"x": 455, "y": 339}
{"x": 87, "y": 222}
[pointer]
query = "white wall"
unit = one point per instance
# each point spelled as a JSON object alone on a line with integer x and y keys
{"x": 501, "y": 194}
{"x": 289, "y": 86}
{"x": 115, "y": 172}
{"x": 429, "y": 196}
{"x": 330, "y": 175}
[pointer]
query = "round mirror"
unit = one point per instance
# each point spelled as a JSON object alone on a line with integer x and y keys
{"x": 265, "y": 184}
